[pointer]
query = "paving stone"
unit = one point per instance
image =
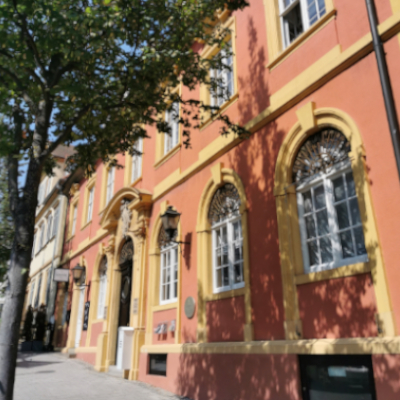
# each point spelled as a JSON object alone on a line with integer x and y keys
{"x": 52, "y": 376}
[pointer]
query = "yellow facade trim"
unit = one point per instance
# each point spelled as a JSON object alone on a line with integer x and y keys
{"x": 153, "y": 290}
{"x": 128, "y": 168}
{"x": 163, "y": 307}
{"x": 74, "y": 203}
{"x": 209, "y": 52}
{"x": 395, "y": 6}
{"x": 219, "y": 176}
{"x": 288, "y": 226}
{"x": 347, "y": 270}
{"x": 85, "y": 350}
{"x": 167, "y": 156}
{"x": 89, "y": 185}
{"x": 276, "y": 52}
{"x": 160, "y": 136}
{"x": 210, "y": 118}
{"x": 322, "y": 71}
{"x": 311, "y": 346}
{"x": 302, "y": 39}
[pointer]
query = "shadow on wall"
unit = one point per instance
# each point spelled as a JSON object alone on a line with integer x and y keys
{"x": 238, "y": 377}
{"x": 344, "y": 307}
{"x": 254, "y": 160}
{"x": 338, "y": 308}
{"x": 225, "y": 320}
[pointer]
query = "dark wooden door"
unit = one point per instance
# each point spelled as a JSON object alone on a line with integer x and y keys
{"x": 125, "y": 293}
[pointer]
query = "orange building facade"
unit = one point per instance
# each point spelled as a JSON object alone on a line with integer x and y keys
{"x": 286, "y": 284}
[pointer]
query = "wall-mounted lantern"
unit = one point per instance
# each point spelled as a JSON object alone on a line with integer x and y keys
{"x": 77, "y": 273}
{"x": 170, "y": 220}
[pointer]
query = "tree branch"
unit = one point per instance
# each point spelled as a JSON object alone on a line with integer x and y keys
{"x": 60, "y": 72}
{"x": 20, "y": 86}
{"x": 13, "y": 160}
{"x": 30, "y": 41}
{"x": 65, "y": 134}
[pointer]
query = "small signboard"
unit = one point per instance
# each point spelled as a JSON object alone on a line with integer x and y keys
{"x": 61, "y": 275}
{"x": 86, "y": 316}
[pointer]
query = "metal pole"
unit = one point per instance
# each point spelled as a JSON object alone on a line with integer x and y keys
{"x": 385, "y": 82}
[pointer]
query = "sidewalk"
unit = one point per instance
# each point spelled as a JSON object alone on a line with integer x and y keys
{"x": 51, "y": 376}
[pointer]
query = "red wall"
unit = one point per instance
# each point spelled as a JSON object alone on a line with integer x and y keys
{"x": 228, "y": 377}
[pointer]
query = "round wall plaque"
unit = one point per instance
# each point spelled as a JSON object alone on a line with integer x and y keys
{"x": 190, "y": 306}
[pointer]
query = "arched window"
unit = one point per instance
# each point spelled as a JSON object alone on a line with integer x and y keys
{"x": 168, "y": 268}
{"x": 102, "y": 288}
{"x": 329, "y": 216}
{"x": 227, "y": 240}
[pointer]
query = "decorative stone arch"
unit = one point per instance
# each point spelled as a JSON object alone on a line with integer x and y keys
{"x": 137, "y": 205}
{"x": 310, "y": 121}
{"x": 75, "y": 304}
{"x": 220, "y": 177}
{"x": 154, "y": 279}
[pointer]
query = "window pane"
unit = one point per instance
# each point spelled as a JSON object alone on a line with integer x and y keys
{"x": 319, "y": 197}
{"x": 307, "y": 202}
{"x": 354, "y": 212}
{"x": 167, "y": 295}
{"x": 322, "y": 222}
{"x": 312, "y": 11}
{"x": 326, "y": 249}
{"x": 351, "y": 189}
{"x": 347, "y": 244}
{"x": 219, "y": 258}
{"x": 294, "y": 24}
{"x": 238, "y": 273}
{"x": 226, "y": 276}
{"x": 342, "y": 215}
{"x": 360, "y": 243}
{"x": 238, "y": 253}
{"x": 338, "y": 189}
{"x": 313, "y": 252}
{"x": 225, "y": 255}
{"x": 310, "y": 225}
{"x": 219, "y": 277}
{"x": 237, "y": 234}
{"x": 224, "y": 235}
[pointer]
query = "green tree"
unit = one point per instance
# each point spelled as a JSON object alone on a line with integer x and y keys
{"x": 6, "y": 223}
{"x": 92, "y": 73}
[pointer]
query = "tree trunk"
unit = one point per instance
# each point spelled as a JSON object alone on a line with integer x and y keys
{"x": 23, "y": 209}
{"x": 12, "y": 313}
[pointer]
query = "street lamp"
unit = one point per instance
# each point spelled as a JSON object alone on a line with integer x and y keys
{"x": 77, "y": 273}
{"x": 170, "y": 220}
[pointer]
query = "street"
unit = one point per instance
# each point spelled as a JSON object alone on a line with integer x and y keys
{"x": 51, "y": 376}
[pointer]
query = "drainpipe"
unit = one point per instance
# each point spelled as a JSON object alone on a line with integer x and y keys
{"x": 385, "y": 81}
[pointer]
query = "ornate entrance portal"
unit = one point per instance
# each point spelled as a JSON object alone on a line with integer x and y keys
{"x": 125, "y": 265}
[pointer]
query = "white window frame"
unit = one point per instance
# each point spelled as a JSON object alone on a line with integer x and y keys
{"x": 172, "y": 119}
{"x": 74, "y": 218}
{"x": 136, "y": 166}
{"x": 110, "y": 184}
{"x": 284, "y": 11}
{"x": 34, "y": 245}
{"x": 326, "y": 180}
{"x": 172, "y": 249}
{"x": 32, "y": 293}
{"x": 56, "y": 220}
{"x": 102, "y": 296}
{"x": 41, "y": 192}
{"x": 41, "y": 237}
{"x": 223, "y": 93}
{"x": 49, "y": 227}
{"x": 90, "y": 204}
{"x": 228, "y": 222}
